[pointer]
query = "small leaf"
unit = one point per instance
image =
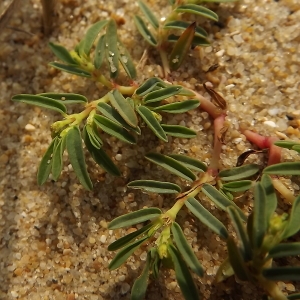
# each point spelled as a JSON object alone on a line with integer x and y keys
{"x": 144, "y": 31}
{"x": 152, "y": 122}
{"x": 156, "y": 262}
{"x": 76, "y": 157}
{"x": 282, "y": 273}
{"x": 65, "y": 98}
{"x": 148, "y": 14}
{"x": 238, "y": 186}
{"x": 179, "y": 131}
{"x": 99, "y": 52}
{"x": 162, "y": 94}
{"x": 293, "y": 225}
{"x": 153, "y": 186}
{"x": 135, "y": 217}
{"x": 62, "y": 53}
{"x": 123, "y": 107}
{"x": 126, "y": 61}
{"x": 182, "y": 25}
{"x": 72, "y": 69}
{"x": 286, "y": 168}
{"x": 171, "y": 165}
{"x": 197, "y": 40}
{"x": 46, "y": 164}
{"x": 57, "y": 158}
{"x": 93, "y": 136}
{"x": 239, "y": 173}
{"x": 112, "y": 51}
{"x": 183, "y": 275}
{"x": 178, "y": 107}
{"x": 120, "y": 243}
{"x": 197, "y": 10}
{"x": 41, "y": 101}
{"x": 189, "y": 162}
{"x": 294, "y": 296}
{"x": 236, "y": 260}
{"x": 139, "y": 287}
{"x": 286, "y": 144}
{"x": 114, "y": 129}
{"x": 182, "y": 46}
{"x": 149, "y": 85}
{"x": 225, "y": 270}
{"x": 206, "y": 217}
{"x": 126, "y": 252}
{"x": 186, "y": 250}
{"x": 283, "y": 250}
{"x": 220, "y": 200}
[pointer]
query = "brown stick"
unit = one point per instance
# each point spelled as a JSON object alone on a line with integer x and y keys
{"x": 48, "y": 15}
{"x": 6, "y": 14}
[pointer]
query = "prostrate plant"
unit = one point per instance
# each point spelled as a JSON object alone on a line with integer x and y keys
{"x": 161, "y": 37}
{"x": 113, "y": 113}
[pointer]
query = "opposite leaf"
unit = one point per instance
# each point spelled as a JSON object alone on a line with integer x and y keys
{"x": 153, "y": 186}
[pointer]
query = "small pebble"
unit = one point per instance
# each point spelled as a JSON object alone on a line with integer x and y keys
{"x": 29, "y": 127}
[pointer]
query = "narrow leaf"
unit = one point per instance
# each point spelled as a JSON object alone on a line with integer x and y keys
{"x": 114, "y": 129}
{"x": 112, "y": 52}
{"x": 183, "y": 275}
{"x": 126, "y": 61}
{"x": 99, "y": 52}
{"x": 293, "y": 225}
{"x": 182, "y": 25}
{"x": 125, "y": 253}
{"x": 57, "y": 158}
{"x": 197, "y": 40}
{"x": 282, "y": 273}
{"x": 206, "y": 217}
{"x": 135, "y": 217}
{"x": 144, "y": 31}
{"x": 182, "y": 47}
{"x": 41, "y": 101}
{"x": 178, "y": 107}
{"x": 148, "y": 86}
{"x": 186, "y": 250}
{"x": 179, "y": 131}
{"x": 171, "y": 165}
{"x": 153, "y": 186}
{"x": 62, "y": 53}
{"x": 238, "y": 186}
{"x": 152, "y": 122}
{"x": 189, "y": 162}
{"x": 93, "y": 136}
{"x": 72, "y": 69}
{"x": 284, "y": 250}
{"x": 148, "y": 14}
{"x": 162, "y": 94}
{"x": 197, "y": 10}
{"x": 65, "y": 98}
{"x": 286, "y": 168}
{"x": 225, "y": 270}
{"x": 286, "y": 144}
{"x": 294, "y": 296}
{"x": 239, "y": 173}
{"x": 76, "y": 157}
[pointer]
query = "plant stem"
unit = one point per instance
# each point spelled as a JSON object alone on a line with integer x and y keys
{"x": 48, "y": 15}
{"x": 272, "y": 289}
{"x": 287, "y": 195}
{"x": 165, "y": 61}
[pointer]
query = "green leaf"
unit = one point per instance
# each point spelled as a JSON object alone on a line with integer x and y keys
{"x": 283, "y": 250}
{"x": 123, "y": 107}
{"x": 148, "y": 86}
{"x": 139, "y": 287}
{"x": 65, "y": 98}
{"x": 186, "y": 250}
{"x": 220, "y": 200}
{"x": 241, "y": 231}
{"x": 135, "y": 217}
{"x": 113, "y": 115}
{"x": 125, "y": 253}
{"x": 238, "y": 186}
{"x": 162, "y": 94}
{"x": 197, "y": 40}
{"x": 148, "y": 14}
{"x": 182, "y": 25}
{"x": 41, "y": 101}
{"x": 155, "y": 266}
{"x": 144, "y": 31}
{"x": 236, "y": 260}
{"x": 197, "y": 10}
{"x": 171, "y": 165}
{"x": 183, "y": 275}
{"x": 114, "y": 129}
{"x": 126, "y": 61}
{"x": 286, "y": 144}
{"x": 153, "y": 186}
{"x": 182, "y": 47}
{"x": 99, "y": 52}
{"x": 179, "y": 131}
{"x": 286, "y": 168}
{"x": 62, "y": 53}
{"x": 112, "y": 51}
{"x": 120, "y": 243}
{"x": 152, "y": 122}
{"x": 93, "y": 136}
{"x": 178, "y": 107}
{"x": 87, "y": 42}
{"x": 57, "y": 158}
{"x": 101, "y": 158}
{"x": 293, "y": 225}
{"x": 260, "y": 224}
{"x": 282, "y": 273}
{"x": 225, "y": 270}
{"x": 206, "y": 217}
{"x": 76, "y": 157}
{"x": 46, "y": 164}
{"x": 294, "y": 296}
{"x": 239, "y": 173}
{"x": 189, "y": 162}
{"x": 72, "y": 69}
